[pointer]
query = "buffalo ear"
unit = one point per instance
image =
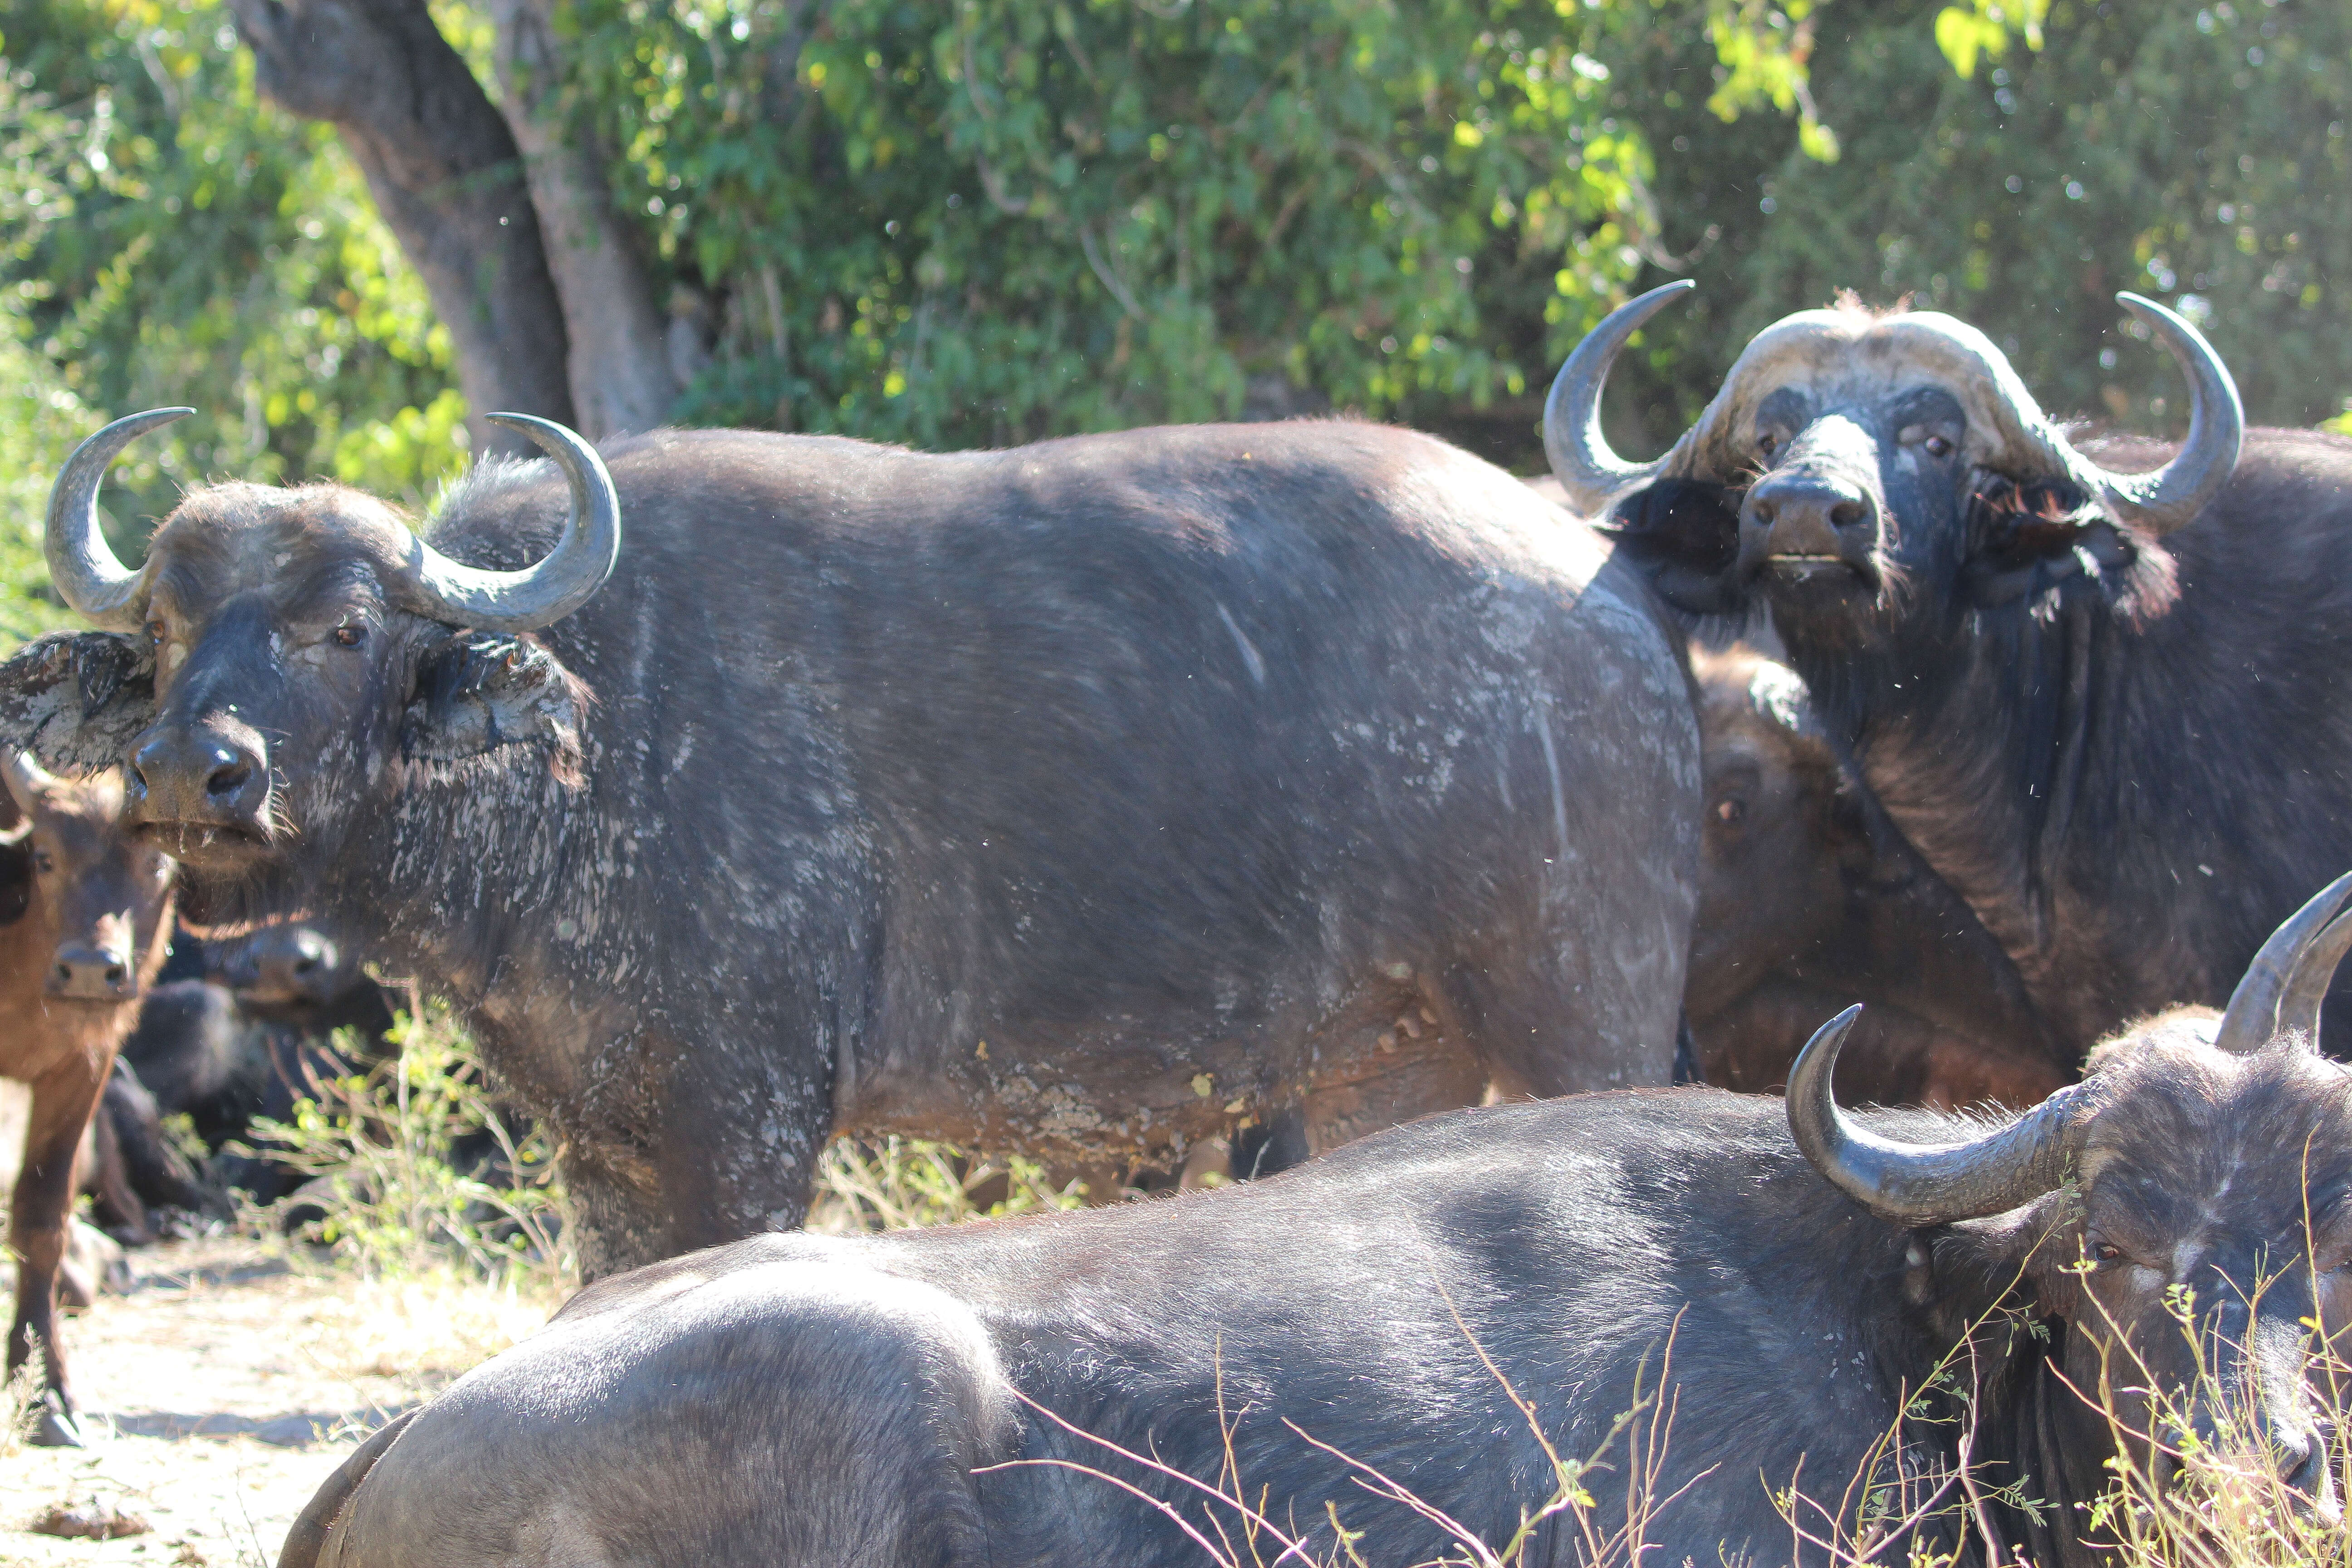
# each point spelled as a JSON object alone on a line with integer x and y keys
{"x": 76, "y": 699}
{"x": 1685, "y": 537}
{"x": 479, "y": 691}
{"x": 2022, "y": 1259}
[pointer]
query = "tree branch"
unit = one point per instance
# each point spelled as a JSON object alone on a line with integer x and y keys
{"x": 619, "y": 365}
{"x": 446, "y": 174}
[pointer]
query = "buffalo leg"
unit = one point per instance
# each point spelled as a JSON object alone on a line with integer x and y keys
{"x": 115, "y": 1199}
{"x": 37, "y": 1216}
{"x": 740, "y": 1140}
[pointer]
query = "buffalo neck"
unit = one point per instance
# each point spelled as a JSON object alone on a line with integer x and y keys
{"x": 2043, "y": 758}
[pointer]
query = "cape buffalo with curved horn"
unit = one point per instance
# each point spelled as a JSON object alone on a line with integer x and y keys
{"x": 1089, "y": 797}
{"x": 1484, "y": 1293}
{"x": 2111, "y": 705}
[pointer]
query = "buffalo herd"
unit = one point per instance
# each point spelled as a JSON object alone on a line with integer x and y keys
{"x": 1311, "y": 785}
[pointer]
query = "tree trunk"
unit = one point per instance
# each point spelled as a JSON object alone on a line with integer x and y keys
{"x": 620, "y": 362}
{"x": 443, "y": 168}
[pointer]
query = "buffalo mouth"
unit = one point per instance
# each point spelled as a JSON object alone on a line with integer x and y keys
{"x": 1819, "y": 576}
{"x": 205, "y": 845}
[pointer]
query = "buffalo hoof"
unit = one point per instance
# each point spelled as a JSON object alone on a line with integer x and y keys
{"x": 56, "y": 1427}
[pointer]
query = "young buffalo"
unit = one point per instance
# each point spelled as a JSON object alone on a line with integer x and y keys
{"x": 1810, "y": 900}
{"x": 96, "y": 918}
{"x": 1772, "y": 1291}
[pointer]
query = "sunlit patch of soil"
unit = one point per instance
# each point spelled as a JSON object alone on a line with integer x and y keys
{"x": 227, "y": 1387}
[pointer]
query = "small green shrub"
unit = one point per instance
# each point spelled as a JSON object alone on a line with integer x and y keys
{"x": 895, "y": 1183}
{"x": 414, "y": 1168}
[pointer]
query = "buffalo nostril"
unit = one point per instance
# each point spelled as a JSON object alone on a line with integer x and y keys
{"x": 116, "y": 974}
{"x": 1848, "y": 514}
{"x": 229, "y": 778}
{"x": 64, "y": 973}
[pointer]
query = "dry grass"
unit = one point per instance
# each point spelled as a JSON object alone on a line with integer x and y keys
{"x": 897, "y": 1184}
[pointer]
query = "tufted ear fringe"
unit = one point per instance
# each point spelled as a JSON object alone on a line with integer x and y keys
{"x": 2028, "y": 537}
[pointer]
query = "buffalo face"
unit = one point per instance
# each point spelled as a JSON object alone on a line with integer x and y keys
{"x": 1778, "y": 837}
{"x": 1860, "y": 464}
{"x": 285, "y": 658}
{"x": 105, "y": 897}
{"x": 2183, "y": 1216}
{"x": 2208, "y": 1258}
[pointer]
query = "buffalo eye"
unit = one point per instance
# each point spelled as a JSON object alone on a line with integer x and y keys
{"x": 1937, "y": 446}
{"x": 1730, "y": 810}
{"x": 1767, "y": 443}
{"x": 42, "y": 861}
{"x": 349, "y": 636}
{"x": 2107, "y": 1251}
{"x": 155, "y": 632}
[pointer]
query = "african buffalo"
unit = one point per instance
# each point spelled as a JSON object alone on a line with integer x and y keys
{"x": 1091, "y": 797}
{"x": 96, "y": 914}
{"x": 1932, "y": 1307}
{"x": 1810, "y": 900}
{"x": 2105, "y": 691}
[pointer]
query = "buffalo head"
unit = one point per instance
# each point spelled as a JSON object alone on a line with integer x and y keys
{"x": 2185, "y": 1213}
{"x": 1782, "y": 831}
{"x": 103, "y": 898}
{"x": 1851, "y": 455}
{"x": 283, "y": 656}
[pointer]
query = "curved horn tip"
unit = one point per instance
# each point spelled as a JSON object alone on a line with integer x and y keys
{"x": 1821, "y": 1053}
{"x": 82, "y": 566}
{"x": 2175, "y": 495}
{"x": 25, "y": 773}
{"x": 1580, "y": 457}
{"x": 582, "y": 559}
{"x": 2253, "y": 1014}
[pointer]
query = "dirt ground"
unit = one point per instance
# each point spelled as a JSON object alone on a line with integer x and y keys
{"x": 226, "y": 1386}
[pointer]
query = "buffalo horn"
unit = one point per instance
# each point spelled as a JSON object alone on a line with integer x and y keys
{"x": 2307, "y": 991}
{"x": 1930, "y": 1184}
{"x": 26, "y": 779}
{"x": 1580, "y": 459}
{"x": 87, "y": 576}
{"x": 2255, "y": 1013}
{"x": 536, "y": 595}
{"x": 2162, "y": 501}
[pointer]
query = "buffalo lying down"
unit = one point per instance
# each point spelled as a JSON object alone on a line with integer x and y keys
{"x": 1089, "y": 798}
{"x": 887, "y": 1400}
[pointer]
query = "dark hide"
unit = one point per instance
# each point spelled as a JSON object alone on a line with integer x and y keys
{"x": 796, "y": 1399}
{"x": 1809, "y": 900}
{"x": 1091, "y": 798}
{"x": 2132, "y": 758}
{"x": 131, "y": 1166}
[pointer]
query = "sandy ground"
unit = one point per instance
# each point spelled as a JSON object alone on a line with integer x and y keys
{"x": 224, "y": 1387}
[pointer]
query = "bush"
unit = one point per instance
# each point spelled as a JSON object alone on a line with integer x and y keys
{"x": 414, "y": 1167}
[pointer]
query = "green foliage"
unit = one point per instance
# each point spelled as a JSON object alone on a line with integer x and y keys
{"x": 41, "y": 418}
{"x": 2190, "y": 153}
{"x": 177, "y": 241}
{"x": 389, "y": 1192}
{"x": 897, "y": 1183}
{"x": 962, "y": 223}
{"x": 1981, "y": 27}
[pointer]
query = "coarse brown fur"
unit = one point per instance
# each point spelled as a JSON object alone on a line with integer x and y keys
{"x": 87, "y": 882}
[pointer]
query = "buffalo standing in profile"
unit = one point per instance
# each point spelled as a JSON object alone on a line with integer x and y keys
{"x": 1901, "y": 1305}
{"x": 1090, "y": 797}
{"x": 2110, "y": 702}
